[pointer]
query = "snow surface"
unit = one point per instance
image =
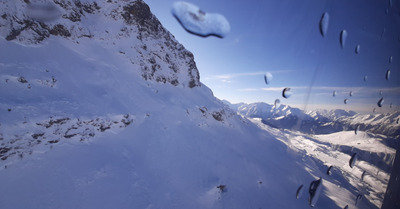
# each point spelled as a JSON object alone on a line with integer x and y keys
{"x": 198, "y": 22}
{"x": 80, "y": 127}
{"x": 376, "y": 157}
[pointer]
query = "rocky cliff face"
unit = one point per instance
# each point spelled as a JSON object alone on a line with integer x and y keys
{"x": 152, "y": 49}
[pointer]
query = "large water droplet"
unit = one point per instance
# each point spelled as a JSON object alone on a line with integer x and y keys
{"x": 390, "y": 59}
{"x": 353, "y": 160}
{"x": 267, "y": 78}
{"x": 357, "y": 50}
{"x": 334, "y": 93}
{"x": 387, "y": 74}
{"x": 314, "y": 191}
{"x": 286, "y": 93}
{"x": 343, "y": 37}
{"x": 345, "y": 101}
{"x": 277, "y": 103}
{"x": 199, "y": 22}
{"x": 351, "y": 93}
{"x": 380, "y": 102}
{"x": 356, "y": 129}
{"x": 299, "y": 192}
{"x": 324, "y": 23}
{"x": 329, "y": 172}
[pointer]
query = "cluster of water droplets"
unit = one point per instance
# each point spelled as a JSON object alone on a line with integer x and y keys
{"x": 316, "y": 185}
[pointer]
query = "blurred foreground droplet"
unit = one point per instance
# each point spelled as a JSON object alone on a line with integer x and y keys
{"x": 198, "y": 22}
{"x": 286, "y": 93}
{"x": 299, "y": 192}
{"x": 329, "y": 172}
{"x": 380, "y": 102}
{"x": 362, "y": 175}
{"x": 365, "y": 78}
{"x": 353, "y": 160}
{"x": 387, "y": 74}
{"x": 343, "y": 36}
{"x": 277, "y": 103}
{"x": 357, "y": 50}
{"x": 43, "y": 11}
{"x": 314, "y": 191}
{"x": 323, "y": 24}
{"x": 267, "y": 78}
{"x": 358, "y": 198}
{"x": 345, "y": 101}
{"x": 334, "y": 93}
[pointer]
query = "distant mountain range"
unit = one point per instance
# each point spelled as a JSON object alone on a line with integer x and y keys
{"x": 320, "y": 121}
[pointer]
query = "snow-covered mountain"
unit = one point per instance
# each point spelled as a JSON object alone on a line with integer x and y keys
{"x": 321, "y": 121}
{"x": 100, "y": 107}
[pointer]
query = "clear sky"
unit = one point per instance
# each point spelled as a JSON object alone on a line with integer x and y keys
{"x": 282, "y": 37}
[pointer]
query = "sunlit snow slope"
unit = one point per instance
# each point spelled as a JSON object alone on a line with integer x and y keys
{"x": 100, "y": 107}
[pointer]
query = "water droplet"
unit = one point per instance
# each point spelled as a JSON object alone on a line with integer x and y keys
{"x": 345, "y": 101}
{"x": 387, "y": 74}
{"x": 351, "y": 93}
{"x": 390, "y": 59}
{"x": 267, "y": 78}
{"x": 43, "y": 11}
{"x": 343, "y": 36}
{"x": 353, "y": 160}
{"x": 198, "y": 22}
{"x": 358, "y": 198}
{"x": 357, "y": 50}
{"x": 286, "y": 93}
{"x": 299, "y": 192}
{"x": 334, "y": 93}
{"x": 380, "y": 102}
{"x": 356, "y": 129}
{"x": 277, "y": 103}
{"x": 365, "y": 78}
{"x": 324, "y": 23}
{"x": 329, "y": 172}
{"x": 374, "y": 110}
{"x": 314, "y": 191}
{"x": 363, "y": 175}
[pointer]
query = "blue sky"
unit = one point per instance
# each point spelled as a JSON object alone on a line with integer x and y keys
{"x": 282, "y": 37}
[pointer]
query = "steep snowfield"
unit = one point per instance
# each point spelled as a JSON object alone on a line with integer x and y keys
{"x": 375, "y": 154}
{"x": 113, "y": 115}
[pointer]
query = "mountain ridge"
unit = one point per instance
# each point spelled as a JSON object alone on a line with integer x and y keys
{"x": 320, "y": 121}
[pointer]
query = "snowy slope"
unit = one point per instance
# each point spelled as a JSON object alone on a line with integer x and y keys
{"x": 100, "y": 107}
{"x": 369, "y": 176}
